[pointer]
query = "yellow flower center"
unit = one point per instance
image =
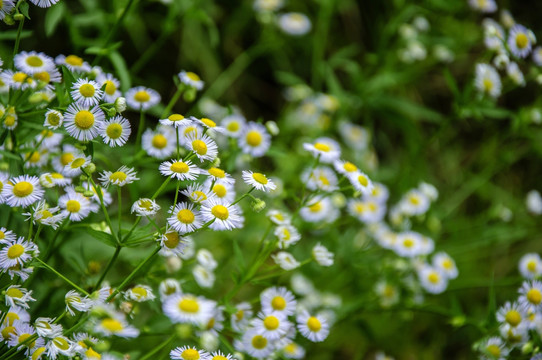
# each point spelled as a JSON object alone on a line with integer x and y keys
{"x": 22, "y": 189}
{"x": 114, "y": 131}
{"x": 233, "y": 126}
{"x": 322, "y": 147}
{"x": 19, "y": 77}
{"x": 84, "y": 119}
{"x": 176, "y": 117}
{"x": 37, "y": 353}
{"x": 43, "y": 76}
{"x": 23, "y": 337}
{"x": 34, "y": 157}
{"x": 7, "y": 331}
{"x": 278, "y": 303}
{"x": 513, "y": 317}
{"x": 91, "y": 354}
{"x": 447, "y": 264}
{"x": 15, "y": 251}
{"x": 142, "y": 96}
{"x": 433, "y": 278}
{"x": 14, "y": 293}
{"x": 316, "y": 207}
{"x": 140, "y": 292}
{"x": 192, "y": 76}
{"x": 362, "y": 179}
{"x": 349, "y": 167}
{"x": 414, "y": 200}
{"x": 118, "y": 177}
{"x": 66, "y": 158}
{"x": 11, "y": 317}
{"x": 190, "y": 354}
{"x": 87, "y": 90}
{"x": 531, "y": 266}
{"x": 260, "y": 178}
{"x": 534, "y": 296}
{"x": 77, "y": 163}
{"x": 2, "y": 234}
{"x": 220, "y": 190}
{"x": 185, "y": 216}
{"x": 259, "y": 342}
{"x": 110, "y": 87}
{"x": 199, "y": 147}
{"x": 314, "y": 324}
{"x": 488, "y": 84}
{"x": 408, "y": 243}
{"x": 34, "y": 61}
{"x": 189, "y": 305}
{"x": 112, "y": 325}
{"x": 61, "y": 343}
{"x": 216, "y": 172}
{"x": 45, "y": 214}
{"x": 210, "y": 123}
{"x": 239, "y": 315}
{"x": 522, "y": 40}
{"x": 219, "y": 357}
{"x": 254, "y": 138}
{"x": 73, "y": 206}
{"x": 220, "y": 211}
{"x": 172, "y": 240}
{"x": 494, "y": 350}
{"x": 271, "y": 322}
{"x": 159, "y": 141}
{"x": 199, "y": 195}
{"x": 179, "y": 167}
{"x": 74, "y": 60}
{"x": 290, "y": 348}
{"x": 9, "y": 120}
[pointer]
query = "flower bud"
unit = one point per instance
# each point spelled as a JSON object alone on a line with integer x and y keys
{"x": 258, "y": 205}
{"x": 18, "y": 17}
{"x": 88, "y": 193}
{"x": 120, "y": 104}
{"x": 80, "y": 189}
{"x": 272, "y": 127}
{"x": 90, "y": 168}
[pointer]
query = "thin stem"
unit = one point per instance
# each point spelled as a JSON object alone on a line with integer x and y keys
{"x": 132, "y": 274}
{"x": 140, "y": 127}
{"x": 18, "y": 38}
{"x": 244, "y": 196}
{"x": 109, "y": 266}
{"x": 102, "y": 205}
{"x": 119, "y": 210}
{"x": 159, "y": 347}
{"x": 61, "y": 276}
{"x": 51, "y": 244}
{"x": 164, "y": 184}
{"x": 173, "y": 101}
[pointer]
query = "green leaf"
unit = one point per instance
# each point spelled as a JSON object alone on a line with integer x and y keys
{"x": 68, "y": 77}
{"x": 239, "y": 257}
{"x": 12, "y": 34}
{"x": 120, "y": 67}
{"x": 10, "y": 155}
{"x": 53, "y": 17}
{"x": 102, "y": 236}
{"x": 23, "y": 8}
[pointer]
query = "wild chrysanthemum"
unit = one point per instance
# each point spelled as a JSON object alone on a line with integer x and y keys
{"x": 33, "y": 62}
{"x": 315, "y": 327}
{"x": 82, "y": 122}
{"x": 17, "y": 253}
{"x": 75, "y": 166}
{"x": 111, "y": 90}
{"x": 294, "y": 23}
{"x": 116, "y": 131}
{"x": 191, "y": 79}
{"x": 234, "y": 124}
{"x": 531, "y": 294}
{"x": 361, "y": 182}
{"x": 446, "y": 264}
{"x": 5, "y": 8}
{"x": 408, "y": 244}
{"x": 22, "y": 191}
{"x": 6, "y": 235}
{"x": 241, "y": 317}
{"x": 86, "y": 92}
{"x": 322, "y": 255}
{"x": 487, "y": 80}
{"x": 326, "y": 149}
{"x": 319, "y": 209}
{"x": 285, "y": 260}
{"x": 139, "y": 293}
{"x": 116, "y": 326}
{"x": 432, "y": 279}
{"x": 272, "y": 325}
{"x": 204, "y": 277}
{"x": 520, "y": 40}
{"x": 123, "y": 176}
{"x": 320, "y": 178}
{"x": 203, "y": 146}
{"x": 197, "y": 193}
{"x": 188, "y": 353}
{"x": 224, "y": 215}
{"x": 74, "y": 301}
{"x": 287, "y": 235}
{"x": 19, "y": 338}
{"x": 514, "y": 73}
{"x": 179, "y": 169}
{"x": 257, "y": 345}
{"x": 494, "y": 348}
{"x": 278, "y": 299}
{"x": 160, "y": 143}
{"x": 172, "y": 243}
{"x": 530, "y": 266}
{"x": 176, "y": 120}
{"x": 187, "y": 308}
{"x": 44, "y": 3}
{"x": 184, "y": 218}
{"x": 73, "y": 62}
{"x": 142, "y": 98}
{"x": 254, "y": 139}
{"x": 219, "y": 175}
{"x": 414, "y": 202}
{"x": 258, "y": 181}
{"x": 209, "y": 124}
{"x": 74, "y": 206}
{"x": 485, "y": 6}
{"x": 60, "y": 345}
{"x": 145, "y": 207}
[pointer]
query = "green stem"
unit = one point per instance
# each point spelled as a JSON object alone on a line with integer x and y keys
{"x": 244, "y": 196}
{"x": 164, "y": 184}
{"x": 109, "y": 266}
{"x": 18, "y": 38}
{"x": 140, "y": 127}
{"x": 132, "y": 274}
{"x": 173, "y": 101}
{"x": 51, "y": 244}
{"x": 102, "y": 205}
{"x": 119, "y": 210}
{"x": 50, "y": 268}
{"x": 159, "y": 347}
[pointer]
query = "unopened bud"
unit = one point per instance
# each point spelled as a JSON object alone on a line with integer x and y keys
{"x": 183, "y": 331}
{"x": 80, "y": 189}
{"x": 90, "y": 168}
{"x": 9, "y": 20}
{"x": 88, "y": 193}
{"x": 527, "y": 348}
{"x": 111, "y": 112}
{"x": 272, "y": 127}
{"x": 120, "y": 104}
{"x": 258, "y": 205}
{"x": 18, "y": 17}
{"x": 190, "y": 94}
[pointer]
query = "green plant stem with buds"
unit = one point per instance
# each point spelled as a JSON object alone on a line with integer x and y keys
{"x": 173, "y": 101}
{"x": 50, "y": 268}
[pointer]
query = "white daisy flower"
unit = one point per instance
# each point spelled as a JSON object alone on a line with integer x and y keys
{"x": 75, "y": 165}
{"x": 537, "y": 56}
{"x": 22, "y": 191}
{"x": 279, "y": 217}
{"x": 514, "y": 73}
{"x": 116, "y": 131}
{"x": 322, "y": 255}
{"x": 73, "y": 63}
{"x": 294, "y": 23}
{"x": 409, "y": 244}
{"x": 10, "y": 119}
{"x": 428, "y": 190}
{"x": 172, "y": 244}
{"x": 414, "y": 202}
{"x": 45, "y": 327}
{"x": 487, "y": 80}
{"x": 287, "y": 235}
{"x": 432, "y": 279}
{"x": 446, "y": 264}
{"x": 176, "y": 120}
{"x": 123, "y": 176}
{"x": 203, "y": 146}
{"x": 218, "y": 355}
{"x": 7, "y": 236}
{"x": 116, "y": 326}
{"x": 319, "y": 209}
{"x": 315, "y": 328}
{"x": 320, "y": 178}
{"x": 257, "y": 345}
{"x": 160, "y": 143}
{"x": 33, "y": 62}
{"x": 111, "y": 90}
{"x": 203, "y": 276}
{"x": 205, "y": 258}
{"x": 326, "y": 149}
{"x": 74, "y": 301}
{"x": 184, "y": 218}
{"x": 258, "y": 181}
{"x": 530, "y": 266}
{"x": 191, "y": 79}
{"x": 485, "y": 6}
{"x": 75, "y": 206}
{"x": 209, "y": 124}
{"x": 169, "y": 287}
{"x": 241, "y": 317}
{"x": 139, "y": 293}
{"x": 197, "y": 193}
{"x": 293, "y": 350}
{"x": 188, "y": 353}
{"x": 234, "y": 124}
{"x": 23, "y": 331}
{"x": 512, "y": 314}
{"x": 48, "y": 140}
{"x": 18, "y": 296}
{"x": 531, "y": 295}
{"x": 254, "y": 139}
{"x": 44, "y": 3}
{"x": 495, "y": 348}
{"x": 225, "y": 215}
{"x": 60, "y": 345}
{"x": 285, "y": 260}
{"x": 345, "y": 167}
{"x": 145, "y": 207}
{"x": 18, "y": 80}
{"x": 6, "y": 7}
{"x": 361, "y": 182}
{"x": 219, "y": 175}
{"x": 188, "y": 309}
{"x": 86, "y": 92}
{"x": 17, "y": 253}
{"x": 179, "y": 169}
{"x": 53, "y": 119}
{"x": 520, "y": 41}
{"x": 142, "y": 98}
{"x": 534, "y": 202}
{"x": 278, "y": 299}
{"x": 83, "y": 123}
